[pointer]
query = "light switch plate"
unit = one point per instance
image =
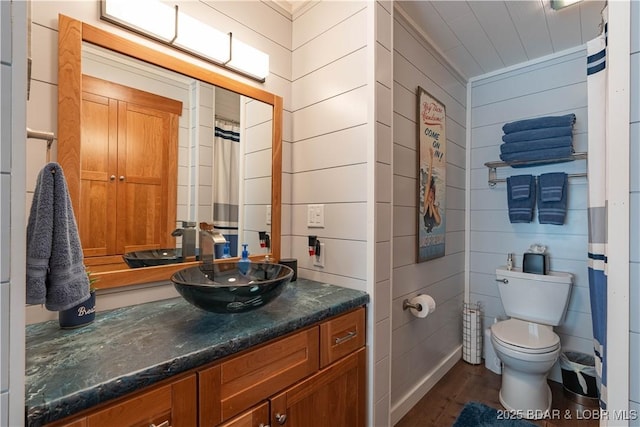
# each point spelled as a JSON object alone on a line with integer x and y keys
{"x": 268, "y": 220}
{"x": 315, "y": 216}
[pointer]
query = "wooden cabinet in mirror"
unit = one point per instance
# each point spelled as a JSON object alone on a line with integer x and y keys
{"x": 120, "y": 145}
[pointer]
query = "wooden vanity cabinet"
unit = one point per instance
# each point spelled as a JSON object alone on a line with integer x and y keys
{"x": 169, "y": 405}
{"x": 316, "y": 377}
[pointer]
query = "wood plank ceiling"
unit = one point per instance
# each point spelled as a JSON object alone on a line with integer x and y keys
{"x": 478, "y": 37}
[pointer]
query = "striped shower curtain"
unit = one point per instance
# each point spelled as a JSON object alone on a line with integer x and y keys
{"x": 226, "y": 175}
{"x": 597, "y": 262}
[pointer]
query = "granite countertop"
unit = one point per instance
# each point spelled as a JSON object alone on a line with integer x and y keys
{"x": 129, "y": 348}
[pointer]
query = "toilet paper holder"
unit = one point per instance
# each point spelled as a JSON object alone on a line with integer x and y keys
{"x": 406, "y": 304}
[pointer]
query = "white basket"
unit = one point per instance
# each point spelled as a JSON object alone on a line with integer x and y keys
{"x": 472, "y": 333}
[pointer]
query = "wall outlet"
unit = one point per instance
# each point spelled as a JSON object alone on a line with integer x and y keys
{"x": 318, "y": 260}
{"x": 315, "y": 216}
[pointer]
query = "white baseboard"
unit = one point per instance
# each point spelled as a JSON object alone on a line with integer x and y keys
{"x": 414, "y": 395}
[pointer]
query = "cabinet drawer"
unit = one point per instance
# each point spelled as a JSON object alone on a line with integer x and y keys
{"x": 243, "y": 381}
{"x": 173, "y": 404}
{"x": 341, "y": 336}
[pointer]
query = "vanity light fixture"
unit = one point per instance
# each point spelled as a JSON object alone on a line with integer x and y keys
{"x": 168, "y": 25}
{"x": 197, "y": 37}
{"x": 147, "y": 17}
{"x": 561, "y": 4}
{"x": 248, "y": 60}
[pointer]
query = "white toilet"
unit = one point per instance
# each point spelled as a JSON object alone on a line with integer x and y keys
{"x": 526, "y": 343}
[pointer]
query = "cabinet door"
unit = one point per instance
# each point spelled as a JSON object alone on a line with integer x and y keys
{"x": 145, "y": 148}
{"x": 98, "y": 163}
{"x": 335, "y": 396}
{"x": 254, "y": 417}
{"x": 127, "y": 167}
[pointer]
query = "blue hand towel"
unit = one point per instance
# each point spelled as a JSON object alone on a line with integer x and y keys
{"x": 56, "y": 275}
{"x": 539, "y": 122}
{"x": 521, "y": 208}
{"x": 516, "y": 147}
{"x": 535, "y": 134}
{"x": 552, "y": 198}
{"x": 539, "y": 157}
{"x": 551, "y": 186}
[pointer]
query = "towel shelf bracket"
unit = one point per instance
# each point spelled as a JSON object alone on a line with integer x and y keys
{"x": 493, "y": 166}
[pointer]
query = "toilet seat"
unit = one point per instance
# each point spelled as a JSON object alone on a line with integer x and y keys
{"x": 525, "y": 337}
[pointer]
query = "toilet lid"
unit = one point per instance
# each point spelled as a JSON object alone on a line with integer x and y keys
{"x": 525, "y": 336}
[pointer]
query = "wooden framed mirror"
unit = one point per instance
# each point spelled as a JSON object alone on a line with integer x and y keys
{"x": 71, "y": 37}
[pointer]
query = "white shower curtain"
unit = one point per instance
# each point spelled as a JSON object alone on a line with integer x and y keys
{"x": 597, "y": 80}
{"x": 226, "y": 155}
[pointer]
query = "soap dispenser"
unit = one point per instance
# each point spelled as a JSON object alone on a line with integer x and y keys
{"x": 226, "y": 251}
{"x": 244, "y": 264}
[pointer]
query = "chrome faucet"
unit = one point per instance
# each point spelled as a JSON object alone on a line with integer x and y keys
{"x": 188, "y": 234}
{"x": 209, "y": 238}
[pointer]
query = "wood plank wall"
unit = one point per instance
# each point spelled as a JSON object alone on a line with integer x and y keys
{"x": 419, "y": 346}
{"x": 553, "y": 87}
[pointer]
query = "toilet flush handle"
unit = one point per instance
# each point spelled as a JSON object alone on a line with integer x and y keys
{"x": 505, "y": 281}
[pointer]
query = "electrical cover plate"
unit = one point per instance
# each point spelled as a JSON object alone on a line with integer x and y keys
{"x": 315, "y": 216}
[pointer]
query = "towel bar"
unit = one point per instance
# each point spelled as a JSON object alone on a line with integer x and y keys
{"x": 46, "y": 136}
{"x": 493, "y": 176}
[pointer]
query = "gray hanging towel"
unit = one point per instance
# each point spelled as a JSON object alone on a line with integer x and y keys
{"x": 56, "y": 275}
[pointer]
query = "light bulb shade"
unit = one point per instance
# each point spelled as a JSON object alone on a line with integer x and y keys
{"x": 248, "y": 60}
{"x": 149, "y": 17}
{"x": 199, "y": 38}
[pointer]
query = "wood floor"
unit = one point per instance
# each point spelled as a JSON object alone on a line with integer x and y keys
{"x": 464, "y": 383}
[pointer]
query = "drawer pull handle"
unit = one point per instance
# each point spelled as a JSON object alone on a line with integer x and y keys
{"x": 347, "y": 337}
{"x": 281, "y": 418}
{"x": 164, "y": 424}
{"x": 505, "y": 281}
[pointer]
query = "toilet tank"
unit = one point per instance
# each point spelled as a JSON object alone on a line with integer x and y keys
{"x": 538, "y": 298}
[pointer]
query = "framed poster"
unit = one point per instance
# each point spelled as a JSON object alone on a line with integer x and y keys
{"x": 432, "y": 162}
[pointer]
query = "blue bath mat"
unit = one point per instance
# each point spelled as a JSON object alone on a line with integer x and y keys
{"x": 475, "y": 414}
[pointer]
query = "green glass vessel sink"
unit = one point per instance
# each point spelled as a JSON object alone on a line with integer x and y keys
{"x": 223, "y": 288}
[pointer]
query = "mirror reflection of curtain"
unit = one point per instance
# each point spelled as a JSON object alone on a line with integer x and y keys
{"x": 226, "y": 158}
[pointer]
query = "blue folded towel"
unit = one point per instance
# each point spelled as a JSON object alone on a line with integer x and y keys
{"x": 516, "y": 147}
{"x": 521, "y": 197}
{"x": 56, "y": 276}
{"x": 539, "y": 157}
{"x": 540, "y": 122}
{"x": 552, "y": 198}
{"x": 534, "y": 134}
